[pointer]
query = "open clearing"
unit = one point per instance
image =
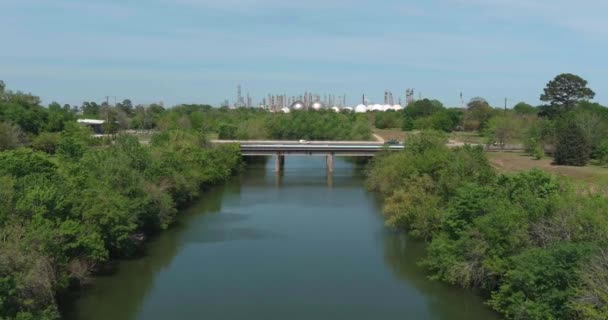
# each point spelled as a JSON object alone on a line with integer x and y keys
{"x": 594, "y": 176}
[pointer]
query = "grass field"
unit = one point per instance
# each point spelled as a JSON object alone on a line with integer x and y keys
{"x": 397, "y": 134}
{"x": 592, "y": 176}
{"x": 467, "y": 137}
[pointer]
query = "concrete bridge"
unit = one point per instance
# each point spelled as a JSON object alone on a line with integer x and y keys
{"x": 328, "y": 149}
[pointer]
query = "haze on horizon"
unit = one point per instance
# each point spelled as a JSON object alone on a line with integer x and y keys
{"x": 189, "y": 51}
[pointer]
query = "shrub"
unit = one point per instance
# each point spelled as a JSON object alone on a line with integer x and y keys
{"x": 46, "y": 142}
{"x": 601, "y": 152}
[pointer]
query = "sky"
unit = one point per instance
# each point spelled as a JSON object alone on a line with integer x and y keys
{"x": 198, "y": 51}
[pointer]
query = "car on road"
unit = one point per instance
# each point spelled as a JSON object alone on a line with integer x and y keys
{"x": 392, "y": 142}
{"x": 304, "y": 141}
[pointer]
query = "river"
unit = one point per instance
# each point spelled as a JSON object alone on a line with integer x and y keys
{"x": 299, "y": 246}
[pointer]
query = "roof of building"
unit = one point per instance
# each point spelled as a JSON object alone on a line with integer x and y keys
{"x": 90, "y": 121}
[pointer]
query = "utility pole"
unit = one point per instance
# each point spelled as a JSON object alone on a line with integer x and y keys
{"x": 505, "y": 105}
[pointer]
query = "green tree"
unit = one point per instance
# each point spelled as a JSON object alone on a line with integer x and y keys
{"x": 564, "y": 92}
{"x": 478, "y": 114}
{"x": 227, "y": 131}
{"x": 423, "y": 108}
{"x": 90, "y": 109}
{"x": 601, "y": 152}
{"x": 46, "y": 142}
{"x": 126, "y": 106}
{"x": 503, "y": 130}
{"x": 541, "y": 283}
{"x": 408, "y": 123}
{"x": 572, "y": 147}
{"x": 11, "y": 136}
{"x": 524, "y": 108}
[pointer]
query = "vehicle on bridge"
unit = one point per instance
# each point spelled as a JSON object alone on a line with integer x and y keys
{"x": 392, "y": 142}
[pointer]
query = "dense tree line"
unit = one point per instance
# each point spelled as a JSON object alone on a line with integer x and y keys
{"x": 70, "y": 202}
{"x": 569, "y": 126}
{"x": 248, "y": 123}
{"x": 533, "y": 246}
{"x": 63, "y": 215}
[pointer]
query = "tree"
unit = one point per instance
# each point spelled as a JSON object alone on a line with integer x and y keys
{"x": 90, "y": 109}
{"x": 227, "y": 131}
{"x": 601, "y": 152}
{"x": 572, "y": 146}
{"x": 11, "y": 136}
{"x": 503, "y": 130}
{"x": 564, "y": 92}
{"x": 408, "y": 123}
{"x": 524, "y": 108}
{"x": 2, "y": 87}
{"x": 423, "y": 108}
{"x": 541, "y": 283}
{"x": 126, "y": 106}
{"x": 386, "y": 120}
{"x": 478, "y": 114}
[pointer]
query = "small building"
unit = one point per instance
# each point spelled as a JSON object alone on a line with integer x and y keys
{"x": 95, "y": 125}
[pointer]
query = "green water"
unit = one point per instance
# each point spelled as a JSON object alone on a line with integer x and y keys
{"x": 300, "y": 246}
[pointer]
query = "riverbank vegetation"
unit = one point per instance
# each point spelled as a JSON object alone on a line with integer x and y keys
{"x": 69, "y": 203}
{"x": 533, "y": 245}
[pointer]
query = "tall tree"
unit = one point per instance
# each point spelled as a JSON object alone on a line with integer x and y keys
{"x": 572, "y": 146}
{"x": 478, "y": 114}
{"x": 564, "y": 93}
{"x": 126, "y": 106}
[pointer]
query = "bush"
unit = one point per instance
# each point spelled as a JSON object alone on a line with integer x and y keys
{"x": 11, "y": 136}
{"x": 601, "y": 152}
{"x": 538, "y": 152}
{"x": 46, "y": 142}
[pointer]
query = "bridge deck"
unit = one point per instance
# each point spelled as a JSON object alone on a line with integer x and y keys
{"x": 329, "y": 149}
{"x": 315, "y": 149}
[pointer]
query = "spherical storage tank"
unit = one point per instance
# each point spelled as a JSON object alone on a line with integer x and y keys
{"x": 397, "y": 107}
{"x": 377, "y": 107}
{"x": 387, "y": 107}
{"x": 298, "y": 105}
{"x": 317, "y": 105}
{"x": 349, "y": 109}
{"x": 361, "y": 108}
{"x": 336, "y": 109}
{"x": 285, "y": 110}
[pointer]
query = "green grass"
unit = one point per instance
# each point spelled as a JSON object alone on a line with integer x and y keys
{"x": 592, "y": 176}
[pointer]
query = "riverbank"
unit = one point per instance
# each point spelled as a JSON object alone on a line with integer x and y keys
{"x": 63, "y": 216}
{"x": 517, "y": 238}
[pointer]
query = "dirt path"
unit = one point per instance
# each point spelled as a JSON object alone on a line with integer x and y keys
{"x": 379, "y": 138}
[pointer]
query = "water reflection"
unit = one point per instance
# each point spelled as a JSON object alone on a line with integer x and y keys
{"x": 402, "y": 255}
{"x": 300, "y": 245}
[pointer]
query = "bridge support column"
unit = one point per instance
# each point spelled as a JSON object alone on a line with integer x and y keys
{"x": 279, "y": 162}
{"x": 329, "y": 160}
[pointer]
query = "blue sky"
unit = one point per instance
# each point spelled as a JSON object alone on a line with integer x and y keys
{"x": 184, "y": 51}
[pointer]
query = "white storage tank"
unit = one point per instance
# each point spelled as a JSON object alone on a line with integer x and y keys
{"x": 361, "y": 108}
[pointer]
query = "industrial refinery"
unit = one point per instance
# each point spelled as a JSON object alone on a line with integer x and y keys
{"x": 313, "y": 101}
